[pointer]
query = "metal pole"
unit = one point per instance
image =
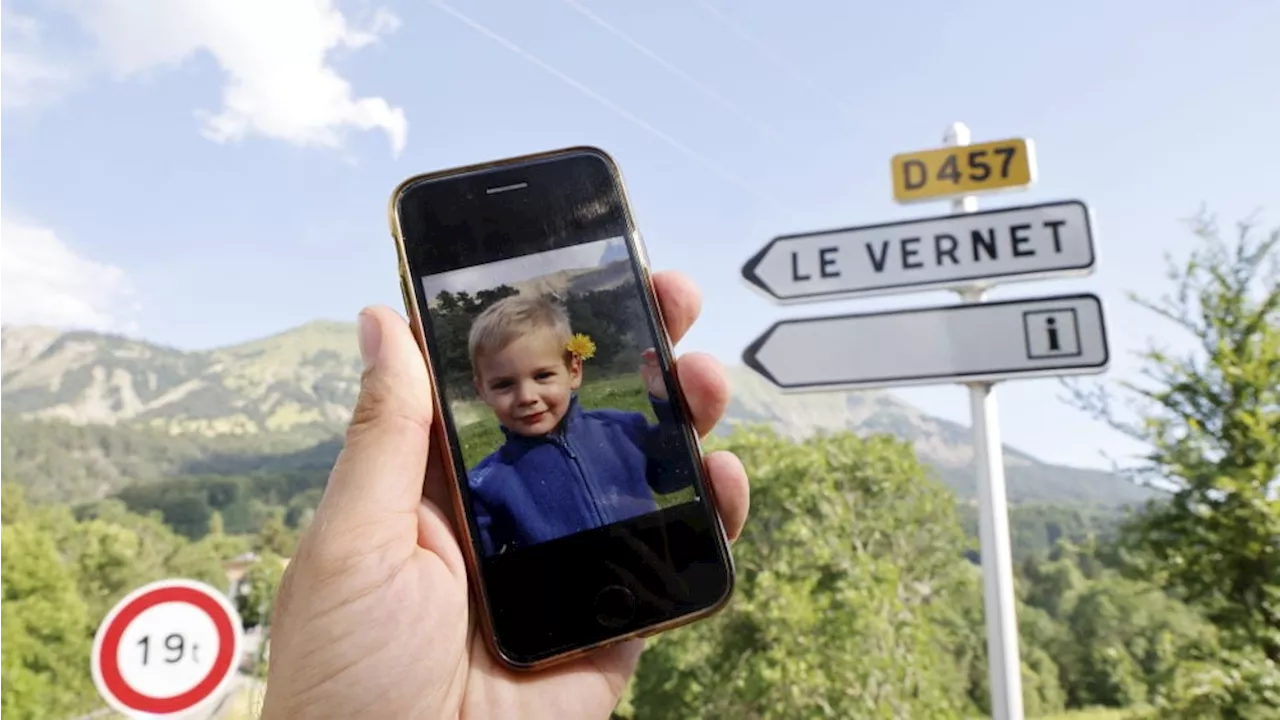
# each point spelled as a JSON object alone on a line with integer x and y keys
{"x": 1004, "y": 667}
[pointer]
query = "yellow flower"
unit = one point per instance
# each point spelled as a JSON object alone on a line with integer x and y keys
{"x": 581, "y": 346}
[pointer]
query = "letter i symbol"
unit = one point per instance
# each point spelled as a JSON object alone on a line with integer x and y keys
{"x": 1050, "y": 328}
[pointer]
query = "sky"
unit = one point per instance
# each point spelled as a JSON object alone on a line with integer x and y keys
{"x": 199, "y": 174}
{"x": 520, "y": 269}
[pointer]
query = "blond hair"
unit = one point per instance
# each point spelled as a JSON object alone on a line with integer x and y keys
{"x": 513, "y": 316}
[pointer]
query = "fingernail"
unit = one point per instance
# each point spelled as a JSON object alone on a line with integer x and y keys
{"x": 370, "y": 335}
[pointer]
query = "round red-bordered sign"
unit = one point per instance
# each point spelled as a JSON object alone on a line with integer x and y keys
{"x": 151, "y": 654}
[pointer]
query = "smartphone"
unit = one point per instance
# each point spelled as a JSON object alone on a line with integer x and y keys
{"x": 577, "y": 476}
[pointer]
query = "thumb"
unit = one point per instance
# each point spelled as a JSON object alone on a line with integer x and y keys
{"x": 383, "y": 462}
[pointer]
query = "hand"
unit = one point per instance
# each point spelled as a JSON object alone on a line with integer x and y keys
{"x": 372, "y": 616}
{"x": 652, "y": 374}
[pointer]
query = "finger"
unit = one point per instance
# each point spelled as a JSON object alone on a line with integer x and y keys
{"x": 705, "y": 389}
{"x": 679, "y": 300}
{"x": 383, "y": 461}
{"x": 732, "y": 490}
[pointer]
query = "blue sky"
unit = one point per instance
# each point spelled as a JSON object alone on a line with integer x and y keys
{"x": 206, "y": 173}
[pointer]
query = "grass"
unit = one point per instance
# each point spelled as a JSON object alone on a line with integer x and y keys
{"x": 620, "y": 392}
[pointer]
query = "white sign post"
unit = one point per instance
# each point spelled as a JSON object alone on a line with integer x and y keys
{"x": 1004, "y": 664}
{"x": 976, "y": 343}
{"x": 168, "y": 649}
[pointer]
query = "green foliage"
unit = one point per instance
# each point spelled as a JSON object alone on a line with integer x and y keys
{"x": 1117, "y": 641}
{"x": 275, "y": 538}
{"x": 1042, "y": 691}
{"x": 1233, "y": 685}
{"x": 13, "y": 503}
{"x": 47, "y": 635}
{"x": 451, "y": 319}
{"x": 854, "y": 600}
{"x": 848, "y": 582}
{"x": 1126, "y": 639}
{"x": 62, "y": 574}
{"x": 1211, "y": 418}
{"x": 1035, "y": 529}
{"x": 241, "y": 503}
{"x": 115, "y": 551}
{"x": 1038, "y": 637}
{"x": 59, "y": 462}
{"x": 614, "y": 318}
{"x": 257, "y": 592}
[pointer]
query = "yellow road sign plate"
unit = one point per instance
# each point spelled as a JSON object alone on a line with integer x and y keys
{"x": 963, "y": 170}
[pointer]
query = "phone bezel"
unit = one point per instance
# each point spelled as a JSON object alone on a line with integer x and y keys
{"x": 443, "y": 449}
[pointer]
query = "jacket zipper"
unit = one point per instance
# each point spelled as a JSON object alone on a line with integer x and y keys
{"x": 582, "y": 475}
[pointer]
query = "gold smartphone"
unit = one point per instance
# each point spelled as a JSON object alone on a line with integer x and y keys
{"x": 578, "y": 486}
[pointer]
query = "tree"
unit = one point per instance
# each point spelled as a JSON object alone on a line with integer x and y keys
{"x": 1125, "y": 638}
{"x": 1211, "y": 421}
{"x": 257, "y": 591}
{"x": 13, "y": 503}
{"x": 451, "y": 325}
{"x": 216, "y": 528}
{"x": 60, "y": 576}
{"x": 849, "y": 579}
{"x": 47, "y": 632}
{"x": 275, "y": 537}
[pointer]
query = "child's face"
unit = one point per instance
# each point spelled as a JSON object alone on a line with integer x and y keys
{"x": 528, "y": 383}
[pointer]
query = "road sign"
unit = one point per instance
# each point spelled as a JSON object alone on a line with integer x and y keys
{"x": 972, "y": 342}
{"x": 1021, "y": 243}
{"x": 963, "y": 170}
{"x": 167, "y": 648}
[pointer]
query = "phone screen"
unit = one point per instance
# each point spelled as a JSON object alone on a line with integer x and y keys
{"x": 586, "y": 498}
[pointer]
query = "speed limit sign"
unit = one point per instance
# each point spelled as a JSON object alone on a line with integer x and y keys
{"x": 166, "y": 649}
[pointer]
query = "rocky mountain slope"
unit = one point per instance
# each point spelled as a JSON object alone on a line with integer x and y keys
{"x": 305, "y": 378}
{"x": 109, "y": 410}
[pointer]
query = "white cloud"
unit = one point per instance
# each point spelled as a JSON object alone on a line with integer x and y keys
{"x": 29, "y": 73}
{"x": 45, "y": 282}
{"x": 274, "y": 56}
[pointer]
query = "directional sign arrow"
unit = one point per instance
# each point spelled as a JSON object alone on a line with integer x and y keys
{"x": 1039, "y": 337}
{"x": 1030, "y": 242}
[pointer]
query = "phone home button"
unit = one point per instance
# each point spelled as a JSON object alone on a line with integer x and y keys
{"x": 615, "y": 605}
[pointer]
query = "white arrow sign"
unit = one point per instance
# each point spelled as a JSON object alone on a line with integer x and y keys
{"x": 1009, "y": 339}
{"x": 1022, "y": 243}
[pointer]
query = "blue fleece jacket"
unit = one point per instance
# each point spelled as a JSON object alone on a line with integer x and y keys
{"x": 598, "y": 467}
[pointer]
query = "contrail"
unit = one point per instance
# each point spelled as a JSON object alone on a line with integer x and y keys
{"x": 671, "y": 68}
{"x": 623, "y": 112}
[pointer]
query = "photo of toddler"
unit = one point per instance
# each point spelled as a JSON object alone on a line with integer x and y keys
{"x": 561, "y": 469}
{"x": 560, "y": 408}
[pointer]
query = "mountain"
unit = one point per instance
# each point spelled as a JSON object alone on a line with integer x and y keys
{"x": 609, "y": 274}
{"x": 87, "y": 413}
{"x": 300, "y": 380}
{"x": 944, "y": 445}
{"x": 579, "y": 280}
